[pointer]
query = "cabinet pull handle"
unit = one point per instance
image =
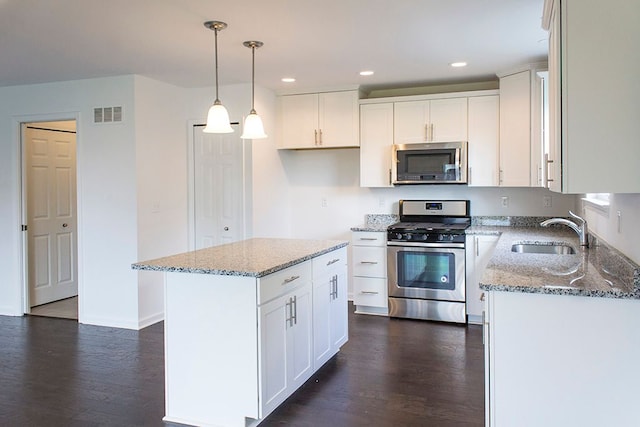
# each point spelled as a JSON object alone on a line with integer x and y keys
{"x": 333, "y": 261}
{"x": 369, "y": 238}
{"x": 482, "y": 297}
{"x": 290, "y": 279}
{"x": 477, "y": 247}
{"x": 368, "y": 262}
{"x": 389, "y": 176}
{"x": 369, "y": 292}
{"x": 426, "y": 131}
{"x": 431, "y": 137}
{"x": 288, "y": 308}
{"x": 315, "y": 136}
{"x": 320, "y": 134}
{"x": 500, "y": 175}
{"x": 294, "y": 316}
{"x": 548, "y": 164}
{"x": 335, "y": 283}
{"x": 470, "y": 175}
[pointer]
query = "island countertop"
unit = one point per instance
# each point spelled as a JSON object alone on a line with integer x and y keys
{"x": 256, "y": 257}
{"x": 597, "y": 271}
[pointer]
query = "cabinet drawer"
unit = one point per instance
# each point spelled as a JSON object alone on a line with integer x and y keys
{"x": 371, "y": 292}
{"x": 369, "y": 238}
{"x": 283, "y": 281}
{"x": 369, "y": 261}
{"x": 327, "y": 264}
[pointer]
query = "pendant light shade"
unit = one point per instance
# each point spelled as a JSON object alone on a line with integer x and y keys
{"x": 218, "y": 117}
{"x": 253, "y": 128}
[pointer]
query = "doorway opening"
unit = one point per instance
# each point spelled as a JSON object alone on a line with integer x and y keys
{"x": 50, "y": 218}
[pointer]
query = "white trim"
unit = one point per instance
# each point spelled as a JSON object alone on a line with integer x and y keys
{"x": 405, "y": 98}
{"x": 17, "y": 123}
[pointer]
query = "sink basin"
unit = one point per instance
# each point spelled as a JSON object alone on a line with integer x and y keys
{"x": 541, "y": 248}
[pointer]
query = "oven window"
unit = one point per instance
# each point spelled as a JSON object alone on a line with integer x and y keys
{"x": 426, "y": 270}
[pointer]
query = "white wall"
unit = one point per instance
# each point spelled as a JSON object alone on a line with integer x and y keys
{"x": 604, "y": 223}
{"x": 161, "y": 170}
{"x": 107, "y": 236}
{"x": 332, "y": 176}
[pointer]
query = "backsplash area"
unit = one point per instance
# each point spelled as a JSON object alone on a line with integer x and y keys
{"x": 620, "y": 231}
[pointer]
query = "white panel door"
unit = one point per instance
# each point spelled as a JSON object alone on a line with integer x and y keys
{"x": 51, "y": 215}
{"x": 376, "y": 140}
{"x": 218, "y": 188}
{"x": 410, "y": 122}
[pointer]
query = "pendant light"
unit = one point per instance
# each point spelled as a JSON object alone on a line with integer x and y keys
{"x": 253, "y": 128}
{"x": 218, "y": 117}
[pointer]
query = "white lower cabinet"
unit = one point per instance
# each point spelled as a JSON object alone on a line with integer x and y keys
{"x": 561, "y": 360}
{"x": 236, "y": 347}
{"x": 479, "y": 249}
{"x": 330, "y": 330}
{"x": 369, "y": 270}
{"x": 286, "y": 360}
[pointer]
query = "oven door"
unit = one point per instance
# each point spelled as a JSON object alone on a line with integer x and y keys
{"x": 426, "y": 272}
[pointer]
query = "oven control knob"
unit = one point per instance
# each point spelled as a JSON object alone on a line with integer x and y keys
{"x": 424, "y": 236}
{"x": 399, "y": 236}
{"x": 408, "y": 236}
{"x": 440, "y": 236}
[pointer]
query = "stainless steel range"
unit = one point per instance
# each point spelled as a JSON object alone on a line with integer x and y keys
{"x": 426, "y": 260}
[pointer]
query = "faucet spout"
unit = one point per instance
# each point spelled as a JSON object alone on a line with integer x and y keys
{"x": 581, "y": 229}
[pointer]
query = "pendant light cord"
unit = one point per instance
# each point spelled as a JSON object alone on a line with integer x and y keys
{"x": 215, "y": 31}
{"x": 253, "y": 79}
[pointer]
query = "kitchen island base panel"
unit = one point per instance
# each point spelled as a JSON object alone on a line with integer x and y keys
{"x": 215, "y": 318}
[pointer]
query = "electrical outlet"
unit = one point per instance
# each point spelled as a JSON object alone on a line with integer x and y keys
{"x": 505, "y": 201}
{"x": 546, "y": 201}
{"x": 323, "y": 202}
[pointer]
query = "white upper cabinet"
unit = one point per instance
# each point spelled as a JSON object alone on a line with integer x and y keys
{"x": 594, "y": 95}
{"x": 483, "y": 141}
{"x": 436, "y": 120}
{"x": 319, "y": 120}
{"x": 515, "y": 130}
{"x": 376, "y": 140}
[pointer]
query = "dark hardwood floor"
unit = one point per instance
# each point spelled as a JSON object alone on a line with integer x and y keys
{"x": 392, "y": 372}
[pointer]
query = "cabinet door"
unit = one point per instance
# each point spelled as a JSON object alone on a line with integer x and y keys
{"x": 273, "y": 331}
{"x": 339, "y": 322}
{"x": 338, "y": 119}
{"x": 376, "y": 140}
{"x": 483, "y": 141}
{"x": 299, "y": 338}
{"x": 410, "y": 122}
{"x": 299, "y": 121}
{"x": 370, "y": 291}
{"x": 448, "y": 120}
{"x": 322, "y": 298}
{"x": 553, "y": 151}
{"x": 478, "y": 253}
{"x": 515, "y": 130}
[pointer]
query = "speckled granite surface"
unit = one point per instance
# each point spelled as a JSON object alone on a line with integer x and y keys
{"x": 253, "y": 257}
{"x": 377, "y": 222}
{"x": 597, "y": 271}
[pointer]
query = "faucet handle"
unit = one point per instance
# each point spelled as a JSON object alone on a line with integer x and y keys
{"x": 582, "y": 220}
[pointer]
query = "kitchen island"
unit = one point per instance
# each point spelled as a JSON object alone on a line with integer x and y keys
{"x": 561, "y": 333}
{"x": 247, "y": 323}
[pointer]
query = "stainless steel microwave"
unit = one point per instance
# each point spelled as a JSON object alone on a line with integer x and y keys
{"x": 430, "y": 163}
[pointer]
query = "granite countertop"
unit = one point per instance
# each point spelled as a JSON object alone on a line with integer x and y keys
{"x": 253, "y": 257}
{"x": 597, "y": 271}
{"x": 377, "y": 222}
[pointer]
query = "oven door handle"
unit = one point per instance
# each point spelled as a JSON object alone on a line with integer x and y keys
{"x": 427, "y": 245}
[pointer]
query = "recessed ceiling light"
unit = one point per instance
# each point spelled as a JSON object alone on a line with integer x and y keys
{"x": 458, "y": 64}
{"x": 366, "y": 73}
{"x": 288, "y": 79}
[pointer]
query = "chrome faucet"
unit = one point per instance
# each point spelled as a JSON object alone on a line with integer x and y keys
{"x": 582, "y": 230}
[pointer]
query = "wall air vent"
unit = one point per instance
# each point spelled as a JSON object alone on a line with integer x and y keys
{"x": 107, "y": 114}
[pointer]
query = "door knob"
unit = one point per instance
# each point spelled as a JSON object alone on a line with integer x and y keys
{"x": 65, "y": 225}
{"x": 226, "y": 229}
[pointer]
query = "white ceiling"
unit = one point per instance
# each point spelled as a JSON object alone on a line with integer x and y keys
{"x": 322, "y": 43}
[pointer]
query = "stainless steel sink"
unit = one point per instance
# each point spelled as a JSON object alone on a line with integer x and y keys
{"x": 542, "y": 248}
